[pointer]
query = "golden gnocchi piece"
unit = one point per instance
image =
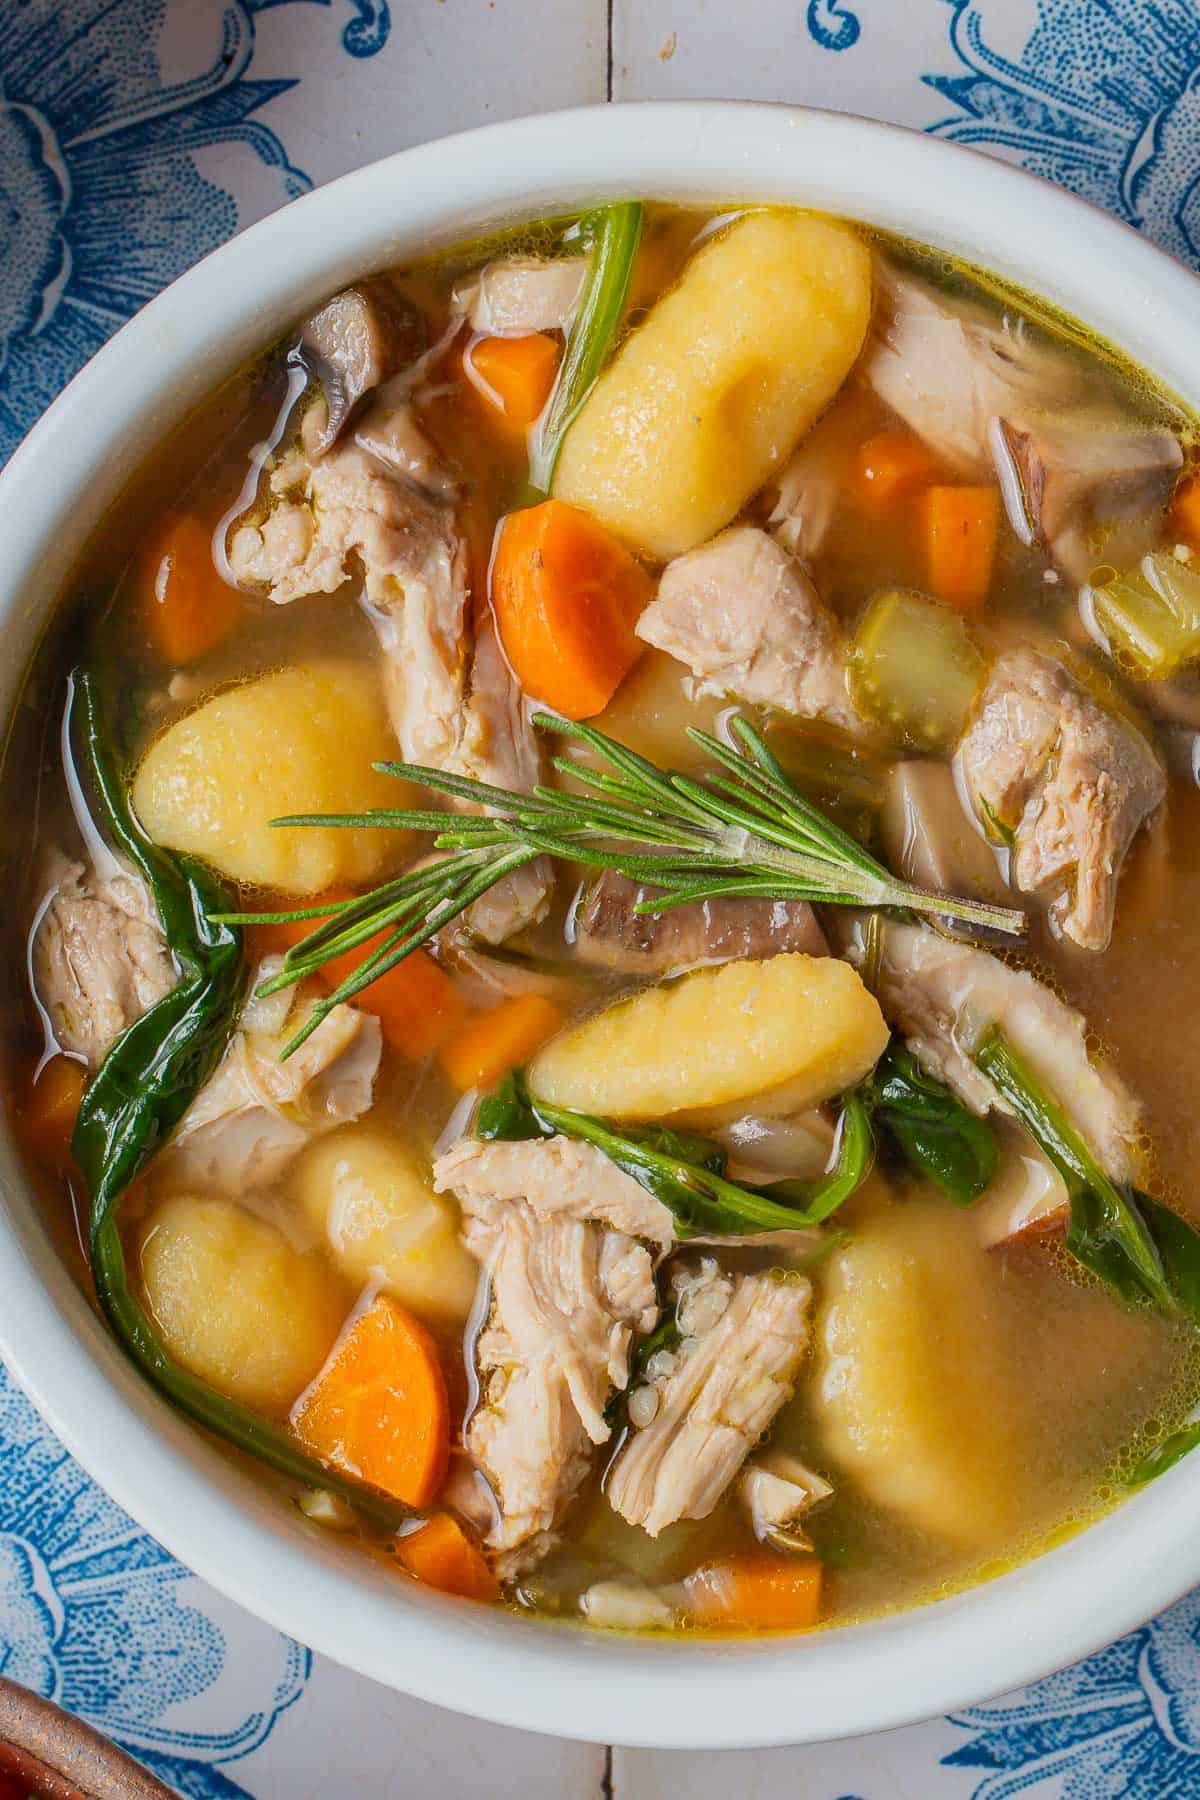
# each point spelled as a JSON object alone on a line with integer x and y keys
{"x": 235, "y": 1302}
{"x": 362, "y": 1191}
{"x": 790, "y": 1032}
{"x": 729, "y": 369}
{"x": 300, "y": 740}
{"x": 914, "y": 1385}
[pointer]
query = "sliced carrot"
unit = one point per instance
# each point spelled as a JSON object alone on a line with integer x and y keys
{"x": 514, "y": 375}
{"x": 492, "y": 1043}
{"x": 756, "y": 1591}
{"x": 52, "y": 1109}
{"x": 378, "y": 1410}
{"x": 960, "y": 529}
{"x": 442, "y": 1555}
{"x": 188, "y": 609}
{"x": 567, "y": 597}
{"x": 416, "y": 1002}
{"x": 1185, "y": 511}
{"x": 890, "y": 465}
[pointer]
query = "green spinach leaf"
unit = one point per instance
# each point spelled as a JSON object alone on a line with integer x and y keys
{"x": 938, "y": 1135}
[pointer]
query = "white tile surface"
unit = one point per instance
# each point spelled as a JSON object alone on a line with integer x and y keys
{"x": 447, "y": 65}
{"x": 349, "y": 1738}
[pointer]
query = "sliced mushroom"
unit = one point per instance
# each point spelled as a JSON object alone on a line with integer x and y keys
{"x": 929, "y": 838}
{"x": 1092, "y": 487}
{"x": 352, "y": 344}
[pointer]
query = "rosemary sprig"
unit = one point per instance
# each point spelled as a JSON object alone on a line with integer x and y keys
{"x": 742, "y": 830}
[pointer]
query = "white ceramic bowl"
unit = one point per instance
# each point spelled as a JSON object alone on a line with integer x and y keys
{"x": 521, "y": 1672}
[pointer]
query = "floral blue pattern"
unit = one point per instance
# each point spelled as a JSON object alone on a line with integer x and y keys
{"x": 1104, "y": 99}
{"x": 832, "y": 25}
{"x": 99, "y": 1618}
{"x": 103, "y": 199}
{"x": 1124, "y": 1725}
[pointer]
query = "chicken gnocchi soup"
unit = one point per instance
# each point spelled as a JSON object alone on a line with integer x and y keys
{"x": 615, "y": 836}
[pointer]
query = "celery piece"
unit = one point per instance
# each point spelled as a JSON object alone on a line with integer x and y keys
{"x": 914, "y": 668}
{"x": 1150, "y": 615}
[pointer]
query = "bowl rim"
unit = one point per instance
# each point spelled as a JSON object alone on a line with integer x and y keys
{"x": 537, "y": 1675}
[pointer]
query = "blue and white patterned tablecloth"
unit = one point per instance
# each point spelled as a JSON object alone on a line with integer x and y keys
{"x": 134, "y": 136}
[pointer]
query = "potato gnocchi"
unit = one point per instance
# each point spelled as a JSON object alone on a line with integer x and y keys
{"x": 300, "y": 740}
{"x": 728, "y": 370}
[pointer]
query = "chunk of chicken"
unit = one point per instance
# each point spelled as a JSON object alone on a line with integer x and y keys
{"x": 100, "y": 959}
{"x": 555, "y": 1177}
{"x": 1071, "y": 781}
{"x": 354, "y": 343}
{"x": 565, "y": 1298}
{"x": 948, "y": 367}
{"x": 352, "y": 510}
{"x": 776, "y": 1491}
{"x": 743, "y": 1338}
{"x": 806, "y": 498}
{"x": 516, "y": 295}
{"x": 382, "y": 503}
{"x": 609, "y": 934}
{"x": 747, "y": 621}
{"x": 942, "y": 996}
{"x": 499, "y": 746}
{"x": 1088, "y": 487}
{"x": 255, "y": 1114}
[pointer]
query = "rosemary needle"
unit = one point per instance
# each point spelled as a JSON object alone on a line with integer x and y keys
{"x": 741, "y": 830}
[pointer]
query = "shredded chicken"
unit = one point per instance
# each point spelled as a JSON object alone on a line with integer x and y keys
{"x": 100, "y": 959}
{"x": 1071, "y": 781}
{"x": 499, "y": 746}
{"x": 942, "y": 995}
{"x": 565, "y": 1299}
{"x": 948, "y": 368}
{"x": 558, "y": 1229}
{"x": 255, "y": 1114}
{"x": 555, "y": 1177}
{"x": 743, "y": 1339}
{"x": 1086, "y": 484}
{"x": 747, "y": 621}
{"x": 517, "y": 295}
{"x": 380, "y": 502}
{"x": 610, "y": 934}
{"x": 806, "y": 498}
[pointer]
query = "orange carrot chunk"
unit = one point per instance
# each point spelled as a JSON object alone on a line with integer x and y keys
{"x": 1184, "y": 516}
{"x": 492, "y": 1043}
{"x": 416, "y": 1003}
{"x": 378, "y": 1410}
{"x": 514, "y": 375}
{"x": 890, "y": 465}
{"x": 442, "y": 1555}
{"x": 51, "y": 1111}
{"x": 756, "y": 1591}
{"x": 188, "y": 609}
{"x": 960, "y": 527}
{"x": 567, "y": 596}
